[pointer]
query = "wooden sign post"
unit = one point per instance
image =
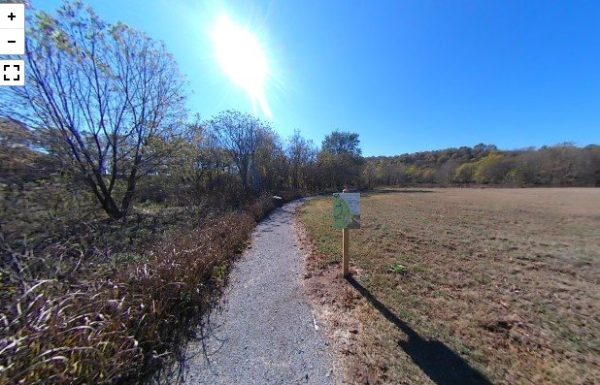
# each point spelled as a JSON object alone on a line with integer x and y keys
{"x": 346, "y": 215}
{"x": 345, "y": 247}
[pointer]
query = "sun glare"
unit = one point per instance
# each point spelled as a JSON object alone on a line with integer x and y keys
{"x": 243, "y": 60}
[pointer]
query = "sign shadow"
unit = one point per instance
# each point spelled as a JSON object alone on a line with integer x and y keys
{"x": 440, "y": 363}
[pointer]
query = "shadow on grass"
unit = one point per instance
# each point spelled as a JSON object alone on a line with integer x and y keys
{"x": 436, "y": 360}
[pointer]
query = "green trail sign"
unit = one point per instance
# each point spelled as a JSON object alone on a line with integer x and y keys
{"x": 346, "y": 210}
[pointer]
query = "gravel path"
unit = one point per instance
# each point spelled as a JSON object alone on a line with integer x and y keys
{"x": 265, "y": 332}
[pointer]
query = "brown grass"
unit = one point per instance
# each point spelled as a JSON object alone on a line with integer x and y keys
{"x": 117, "y": 329}
{"x": 506, "y": 279}
{"x": 72, "y": 310}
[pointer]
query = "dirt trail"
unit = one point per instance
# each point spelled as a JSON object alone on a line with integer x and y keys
{"x": 265, "y": 332}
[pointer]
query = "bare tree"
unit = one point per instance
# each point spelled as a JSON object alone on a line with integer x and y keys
{"x": 203, "y": 157}
{"x": 301, "y": 153}
{"x": 271, "y": 164}
{"x": 109, "y": 92}
{"x": 241, "y": 135}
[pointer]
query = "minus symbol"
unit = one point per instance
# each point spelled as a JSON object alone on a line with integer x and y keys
{"x": 12, "y": 41}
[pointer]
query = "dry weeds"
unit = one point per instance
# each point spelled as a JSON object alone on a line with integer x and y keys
{"x": 72, "y": 312}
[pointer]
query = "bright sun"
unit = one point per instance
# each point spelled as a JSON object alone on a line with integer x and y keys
{"x": 242, "y": 58}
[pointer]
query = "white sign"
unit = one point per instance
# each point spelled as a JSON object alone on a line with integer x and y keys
{"x": 346, "y": 210}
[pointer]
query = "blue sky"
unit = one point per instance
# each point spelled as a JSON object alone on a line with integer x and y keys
{"x": 406, "y": 75}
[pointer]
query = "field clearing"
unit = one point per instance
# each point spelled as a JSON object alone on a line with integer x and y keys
{"x": 508, "y": 280}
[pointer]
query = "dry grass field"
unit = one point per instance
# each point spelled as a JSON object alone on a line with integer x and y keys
{"x": 491, "y": 285}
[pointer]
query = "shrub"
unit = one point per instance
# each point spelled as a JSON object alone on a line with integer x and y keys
{"x": 492, "y": 169}
{"x": 115, "y": 329}
{"x": 85, "y": 299}
{"x": 260, "y": 208}
{"x": 465, "y": 173}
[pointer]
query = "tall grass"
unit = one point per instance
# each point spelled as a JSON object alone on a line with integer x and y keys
{"x": 116, "y": 329}
{"x": 97, "y": 322}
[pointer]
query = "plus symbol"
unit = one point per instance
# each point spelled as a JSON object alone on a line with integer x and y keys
{"x": 11, "y": 16}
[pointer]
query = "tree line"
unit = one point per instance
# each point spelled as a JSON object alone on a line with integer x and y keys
{"x": 104, "y": 108}
{"x": 561, "y": 165}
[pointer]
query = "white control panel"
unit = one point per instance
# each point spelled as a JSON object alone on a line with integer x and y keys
{"x": 12, "y": 42}
{"x": 13, "y": 16}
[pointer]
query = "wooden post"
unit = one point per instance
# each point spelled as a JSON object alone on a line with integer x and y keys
{"x": 345, "y": 254}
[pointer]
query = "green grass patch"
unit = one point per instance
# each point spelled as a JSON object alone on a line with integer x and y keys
{"x": 398, "y": 269}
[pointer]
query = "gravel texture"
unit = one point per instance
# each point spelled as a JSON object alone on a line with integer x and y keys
{"x": 265, "y": 331}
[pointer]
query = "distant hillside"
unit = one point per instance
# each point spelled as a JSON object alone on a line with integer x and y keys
{"x": 560, "y": 165}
